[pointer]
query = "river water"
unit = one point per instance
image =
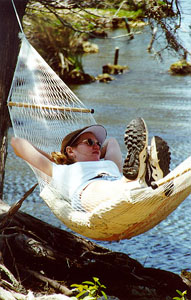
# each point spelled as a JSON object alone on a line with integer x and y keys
{"x": 164, "y": 101}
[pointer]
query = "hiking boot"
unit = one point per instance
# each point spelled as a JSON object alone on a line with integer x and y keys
{"x": 136, "y": 141}
{"x": 158, "y": 165}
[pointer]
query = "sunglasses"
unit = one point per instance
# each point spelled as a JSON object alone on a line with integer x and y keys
{"x": 90, "y": 143}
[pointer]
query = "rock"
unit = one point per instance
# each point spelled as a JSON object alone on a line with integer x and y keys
{"x": 89, "y": 47}
{"x": 79, "y": 77}
{"x": 104, "y": 78}
{"x": 114, "y": 69}
{"x": 181, "y": 67}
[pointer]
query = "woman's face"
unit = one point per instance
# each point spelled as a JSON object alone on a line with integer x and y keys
{"x": 86, "y": 148}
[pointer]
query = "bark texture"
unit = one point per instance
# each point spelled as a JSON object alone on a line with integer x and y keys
{"x": 9, "y": 48}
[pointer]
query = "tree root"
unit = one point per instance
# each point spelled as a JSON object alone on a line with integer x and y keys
{"x": 40, "y": 255}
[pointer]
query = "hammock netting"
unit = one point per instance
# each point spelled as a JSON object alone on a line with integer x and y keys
{"x": 43, "y": 110}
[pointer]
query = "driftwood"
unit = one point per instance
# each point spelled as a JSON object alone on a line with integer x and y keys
{"x": 39, "y": 255}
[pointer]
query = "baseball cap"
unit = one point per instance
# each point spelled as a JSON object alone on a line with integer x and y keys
{"x": 98, "y": 130}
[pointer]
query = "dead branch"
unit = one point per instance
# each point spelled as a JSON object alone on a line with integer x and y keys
{"x": 14, "y": 285}
{"x": 60, "y": 287}
{"x": 15, "y": 207}
{"x": 149, "y": 48}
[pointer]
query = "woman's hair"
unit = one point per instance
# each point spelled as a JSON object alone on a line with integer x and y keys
{"x": 61, "y": 158}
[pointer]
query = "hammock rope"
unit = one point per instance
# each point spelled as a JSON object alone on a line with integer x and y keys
{"x": 17, "y": 16}
{"x": 43, "y": 110}
{"x": 39, "y": 99}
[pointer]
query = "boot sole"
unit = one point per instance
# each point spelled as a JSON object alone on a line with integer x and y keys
{"x": 159, "y": 158}
{"x": 136, "y": 141}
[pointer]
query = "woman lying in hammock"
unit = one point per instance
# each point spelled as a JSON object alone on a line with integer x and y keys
{"x": 89, "y": 170}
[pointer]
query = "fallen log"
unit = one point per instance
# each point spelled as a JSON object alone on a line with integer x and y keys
{"x": 39, "y": 254}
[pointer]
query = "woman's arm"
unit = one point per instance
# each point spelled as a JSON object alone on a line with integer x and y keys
{"x": 112, "y": 151}
{"x": 32, "y": 155}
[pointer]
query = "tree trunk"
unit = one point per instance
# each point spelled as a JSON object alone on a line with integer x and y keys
{"x": 35, "y": 251}
{"x": 9, "y": 48}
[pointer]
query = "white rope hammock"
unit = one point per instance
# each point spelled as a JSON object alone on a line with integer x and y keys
{"x": 43, "y": 110}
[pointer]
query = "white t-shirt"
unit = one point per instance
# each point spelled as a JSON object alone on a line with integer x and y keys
{"x": 68, "y": 179}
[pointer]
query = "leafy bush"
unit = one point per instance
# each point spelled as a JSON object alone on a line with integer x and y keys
{"x": 91, "y": 290}
{"x": 182, "y": 294}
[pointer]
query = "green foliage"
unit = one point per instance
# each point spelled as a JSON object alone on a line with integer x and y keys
{"x": 59, "y": 34}
{"x": 56, "y": 43}
{"x": 47, "y": 33}
{"x": 77, "y": 62}
{"x": 90, "y": 290}
{"x": 182, "y": 294}
{"x": 161, "y": 3}
{"x": 130, "y": 14}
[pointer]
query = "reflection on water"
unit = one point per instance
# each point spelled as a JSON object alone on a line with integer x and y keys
{"x": 164, "y": 101}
